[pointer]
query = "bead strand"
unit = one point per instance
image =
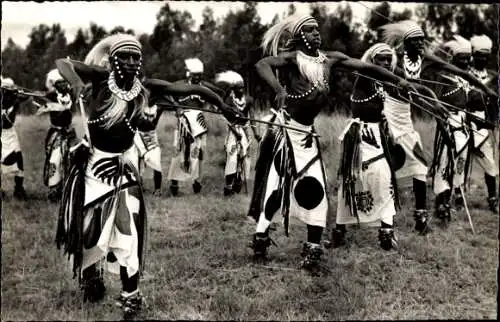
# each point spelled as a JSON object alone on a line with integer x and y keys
{"x": 130, "y": 126}
{"x": 453, "y": 91}
{"x": 298, "y": 96}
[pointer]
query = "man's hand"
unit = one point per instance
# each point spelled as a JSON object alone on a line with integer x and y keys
{"x": 407, "y": 86}
{"x": 281, "y": 98}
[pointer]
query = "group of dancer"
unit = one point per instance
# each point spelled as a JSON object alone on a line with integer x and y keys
{"x": 97, "y": 180}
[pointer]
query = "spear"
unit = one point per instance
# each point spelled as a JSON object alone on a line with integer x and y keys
{"x": 241, "y": 117}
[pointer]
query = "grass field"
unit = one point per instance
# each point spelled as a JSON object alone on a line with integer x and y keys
{"x": 199, "y": 266}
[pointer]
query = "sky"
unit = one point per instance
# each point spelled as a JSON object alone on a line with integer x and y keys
{"x": 18, "y": 18}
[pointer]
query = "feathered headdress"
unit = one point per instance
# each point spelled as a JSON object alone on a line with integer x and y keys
{"x": 231, "y": 78}
{"x": 109, "y": 46}
{"x": 380, "y": 48}
{"x": 289, "y": 26}
{"x": 459, "y": 45}
{"x": 395, "y": 33}
{"x": 193, "y": 65}
{"x": 7, "y": 81}
{"x": 52, "y": 77}
{"x": 481, "y": 43}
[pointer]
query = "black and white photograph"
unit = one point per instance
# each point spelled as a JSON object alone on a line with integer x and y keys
{"x": 249, "y": 161}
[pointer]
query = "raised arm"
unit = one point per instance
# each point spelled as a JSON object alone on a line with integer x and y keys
{"x": 441, "y": 64}
{"x": 78, "y": 74}
{"x": 265, "y": 70}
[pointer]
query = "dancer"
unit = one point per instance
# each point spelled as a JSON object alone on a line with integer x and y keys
{"x": 289, "y": 169}
{"x": 102, "y": 216}
{"x": 483, "y": 148}
{"x": 190, "y": 137}
{"x": 148, "y": 147}
{"x": 237, "y": 144}
{"x": 61, "y": 134}
{"x": 12, "y": 156}
{"x": 415, "y": 61}
{"x": 451, "y": 159}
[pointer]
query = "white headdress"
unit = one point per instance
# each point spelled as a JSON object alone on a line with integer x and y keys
{"x": 194, "y": 65}
{"x": 395, "y": 33}
{"x": 109, "y": 46}
{"x": 52, "y": 77}
{"x": 229, "y": 77}
{"x": 7, "y": 81}
{"x": 380, "y": 48}
{"x": 290, "y": 25}
{"x": 481, "y": 43}
{"x": 459, "y": 45}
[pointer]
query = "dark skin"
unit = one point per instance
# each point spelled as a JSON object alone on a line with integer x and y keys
{"x": 305, "y": 110}
{"x": 11, "y": 102}
{"x": 415, "y": 47}
{"x": 363, "y": 88}
{"x": 78, "y": 74}
{"x": 249, "y": 107}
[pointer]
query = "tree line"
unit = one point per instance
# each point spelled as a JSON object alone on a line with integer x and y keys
{"x": 233, "y": 42}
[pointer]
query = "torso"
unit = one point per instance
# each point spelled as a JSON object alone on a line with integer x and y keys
{"x": 477, "y": 100}
{"x": 59, "y": 118}
{"x": 456, "y": 93}
{"x": 8, "y": 109}
{"x": 119, "y": 137}
{"x": 367, "y": 101}
{"x": 301, "y": 107}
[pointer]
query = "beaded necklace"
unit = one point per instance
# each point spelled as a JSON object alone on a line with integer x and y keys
{"x": 481, "y": 75}
{"x": 240, "y": 103}
{"x": 121, "y": 94}
{"x": 412, "y": 69}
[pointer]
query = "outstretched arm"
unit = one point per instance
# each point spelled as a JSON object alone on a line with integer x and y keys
{"x": 343, "y": 61}
{"x": 161, "y": 87}
{"x": 219, "y": 91}
{"x": 441, "y": 64}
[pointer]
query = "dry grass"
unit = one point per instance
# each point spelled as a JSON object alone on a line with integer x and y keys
{"x": 200, "y": 267}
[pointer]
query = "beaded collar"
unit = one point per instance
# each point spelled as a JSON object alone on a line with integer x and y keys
{"x": 64, "y": 100}
{"x": 122, "y": 94}
{"x": 240, "y": 103}
{"x": 481, "y": 75}
{"x": 320, "y": 59}
{"x": 412, "y": 69}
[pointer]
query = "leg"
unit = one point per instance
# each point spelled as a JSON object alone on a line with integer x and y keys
{"x": 492, "y": 193}
{"x": 157, "y": 177}
{"x": 92, "y": 284}
{"x": 19, "y": 191}
{"x": 421, "y": 216}
{"x": 386, "y": 234}
{"x": 174, "y": 187}
{"x": 228, "y": 188}
{"x": 311, "y": 250}
{"x": 130, "y": 298}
